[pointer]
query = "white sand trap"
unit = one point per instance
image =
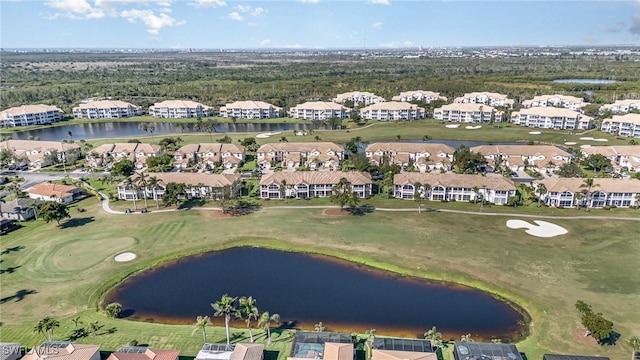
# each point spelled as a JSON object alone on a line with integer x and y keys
{"x": 124, "y": 257}
{"x": 452, "y": 126}
{"x": 266, "y": 135}
{"x": 601, "y": 140}
{"x": 535, "y": 132}
{"x": 570, "y": 143}
{"x": 541, "y": 229}
{"x": 585, "y": 146}
{"x": 473, "y": 127}
{"x": 586, "y": 138}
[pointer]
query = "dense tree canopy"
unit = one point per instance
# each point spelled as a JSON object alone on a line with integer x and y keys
{"x": 53, "y": 211}
{"x": 124, "y": 167}
{"x": 467, "y": 161}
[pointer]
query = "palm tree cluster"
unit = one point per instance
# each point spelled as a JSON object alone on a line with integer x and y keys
{"x": 244, "y": 308}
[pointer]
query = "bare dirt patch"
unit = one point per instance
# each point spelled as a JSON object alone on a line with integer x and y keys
{"x": 578, "y": 334}
{"x": 335, "y": 212}
{"x": 219, "y": 215}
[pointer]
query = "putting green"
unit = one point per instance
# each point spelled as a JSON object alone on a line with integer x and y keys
{"x": 79, "y": 254}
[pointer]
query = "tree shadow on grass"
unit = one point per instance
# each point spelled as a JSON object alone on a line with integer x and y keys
{"x": 361, "y": 210}
{"x": 8, "y": 251}
{"x": 77, "y": 222}
{"x": 612, "y": 339}
{"x": 9, "y": 270}
{"x": 271, "y": 354}
{"x": 191, "y": 204}
{"x": 18, "y": 296}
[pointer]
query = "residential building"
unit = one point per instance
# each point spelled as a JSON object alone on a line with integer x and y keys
{"x": 179, "y": 109}
{"x": 569, "y": 192}
{"x": 541, "y": 158}
{"x": 487, "y": 98}
{"x": 393, "y": 110}
{"x": 250, "y": 110}
{"x": 106, "y": 109}
{"x": 309, "y": 184}
{"x": 240, "y": 351}
{"x": 63, "y": 350}
{"x": 402, "y": 355}
{"x": 30, "y": 115}
{"x": 419, "y": 156}
{"x": 552, "y": 118}
{"x": 467, "y": 350}
{"x": 359, "y": 98}
{"x": 198, "y": 185}
{"x": 64, "y": 194}
{"x": 621, "y": 106}
{"x": 314, "y": 155}
{"x": 143, "y": 353}
{"x": 468, "y": 113}
{"x": 318, "y": 110}
{"x": 39, "y": 154}
{"x": 622, "y": 125}
{"x": 623, "y": 157}
{"x": 108, "y": 154}
{"x": 19, "y": 209}
{"x": 454, "y": 187}
{"x": 321, "y": 346}
{"x": 419, "y": 95}
{"x": 209, "y": 155}
{"x": 10, "y": 351}
{"x": 564, "y": 101}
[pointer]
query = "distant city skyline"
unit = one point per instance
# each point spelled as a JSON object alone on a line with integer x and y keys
{"x": 315, "y": 24}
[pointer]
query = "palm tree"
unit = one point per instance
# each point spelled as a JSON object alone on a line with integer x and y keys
{"x": 418, "y": 195}
{"x": 201, "y": 324}
{"x": 588, "y": 184}
{"x": 94, "y": 327}
{"x": 142, "y": 183}
{"x": 579, "y": 197}
{"x": 128, "y": 183}
{"x": 634, "y": 342}
{"x": 541, "y": 190}
{"x": 154, "y": 183}
{"x": 317, "y": 138}
{"x": 45, "y": 327}
{"x": 226, "y": 307}
{"x": 476, "y": 191}
{"x": 248, "y": 311}
{"x": 434, "y": 336}
{"x": 76, "y": 321}
{"x": 319, "y": 327}
{"x": 265, "y": 323}
{"x": 466, "y": 337}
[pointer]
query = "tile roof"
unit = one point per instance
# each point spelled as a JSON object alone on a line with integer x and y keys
{"x": 193, "y": 179}
{"x": 599, "y": 184}
{"x": 347, "y": 95}
{"x": 105, "y": 104}
{"x": 31, "y": 109}
{"x": 613, "y": 150}
{"x": 177, "y": 104}
{"x": 337, "y": 351}
{"x": 466, "y": 107}
{"x": 405, "y": 94}
{"x": 454, "y": 180}
{"x": 392, "y": 105}
{"x": 148, "y": 354}
{"x": 617, "y": 103}
{"x": 566, "y": 98}
{"x": 49, "y": 189}
{"x": 318, "y": 105}
{"x": 70, "y": 352}
{"x": 402, "y": 355}
{"x": 300, "y": 147}
{"x": 627, "y": 118}
{"x": 548, "y": 151}
{"x": 248, "y": 352}
{"x": 431, "y": 148}
{"x": 249, "y": 105}
{"x": 30, "y": 145}
{"x": 550, "y": 111}
{"x": 316, "y": 177}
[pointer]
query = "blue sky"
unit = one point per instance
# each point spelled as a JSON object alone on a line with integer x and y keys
{"x": 232, "y": 24}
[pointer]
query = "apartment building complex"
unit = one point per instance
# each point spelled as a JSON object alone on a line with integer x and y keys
{"x": 468, "y": 113}
{"x": 314, "y": 155}
{"x": 419, "y": 95}
{"x": 488, "y": 98}
{"x": 30, "y": 115}
{"x": 40, "y": 153}
{"x": 198, "y": 185}
{"x": 309, "y": 184}
{"x": 179, "y": 109}
{"x": 419, "y": 156}
{"x": 570, "y": 192}
{"x": 622, "y": 125}
{"x": 106, "y": 109}
{"x": 541, "y": 158}
{"x": 393, "y": 110}
{"x": 621, "y": 106}
{"x": 564, "y": 101}
{"x": 552, "y": 118}
{"x": 107, "y": 154}
{"x": 207, "y": 155}
{"x": 250, "y": 110}
{"x": 622, "y": 156}
{"x": 318, "y": 110}
{"x": 359, "y": 98}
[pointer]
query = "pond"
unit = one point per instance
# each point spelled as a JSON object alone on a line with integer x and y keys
{"x": 584, "y": 81}
{"x": 307, "y": 289}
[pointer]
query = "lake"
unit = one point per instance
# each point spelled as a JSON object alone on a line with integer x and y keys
{"x": 584, "y": 81}
{"x": 307, "y": 289}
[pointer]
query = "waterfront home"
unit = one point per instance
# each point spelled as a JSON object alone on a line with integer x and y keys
{"x": 314, "y": 155}
{"x": 466, "y": 350}
{"x": 239, "y": 351}
{"x": 419, "y": 95}
{"x": 564, "y": 101}
{"x": 309, "y": 184}
{"x": 321, "y": 345}
{"x": 468, "y": 113}
{"x": 419, "y": 156}
{"x": 318, "y": 110}
{"x": 552, "y": 118}
{"x": 359, "y": 98}
{"x": 402, "y": 355}
{"x": 198, "y": 185}
{"x": 621, "y": 106}
{"x": 143, "y": 353}
{"x": 209, "y": 156}
{"x": 30, "y": 115}
{"x": 63, "y": 350}
{"x": 623, "y": 157}
{"x": 19, "y": 209}
{"x": 64, "y": 194}
{"x": 106, "y": 109}
{"x": 622, "y": 125}
{"x": 488, "y": 98}
{"x": 453, "y": 187}
{"x": 570, "y": 192}
{"x": 39, "y": 154}
{"x": 250, "y": 110}
{"x": 541, "y": 158}
{"x": 393, "y": 110}
{"x": 179, "y": 109}
{"x": 112, "y": 153}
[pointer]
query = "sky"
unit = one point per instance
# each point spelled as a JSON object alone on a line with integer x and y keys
{"x": 321, "y": 24}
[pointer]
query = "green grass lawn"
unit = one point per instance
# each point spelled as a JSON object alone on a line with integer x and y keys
{"x": 62, "y": 272}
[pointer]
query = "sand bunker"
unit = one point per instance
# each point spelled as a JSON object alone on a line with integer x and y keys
{"x": 266, "y": 135}
{"x": 473, "y": 127}
{"x": 585, "y": 146}
{"x": 586, "y": 138}
{"x": 535, "y": 132}
{"x": 541, "y": 229}
{"x": 452, "y": 126}
{"x": 570, "y": 143}
{"x": 602, "y": 140}
{"x": 124, "y": 257}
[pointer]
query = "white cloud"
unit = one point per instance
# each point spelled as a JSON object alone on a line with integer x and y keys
{"x": 377, "y": 25}
{"x": 310, "y": 1}
{"x": 258, "y": 11}
{"x": 293, "y": 46}
{"x": 208, "y": 3}
{"x": 265, "y": 42}
{"x": 153, "y": 22}
{"x": 243, "y": 8}
{"x": 378, "y": 2}
{"x": 235, "y": 16}
{"x": 396, "y": 44}
{"x": 75, "y": 9}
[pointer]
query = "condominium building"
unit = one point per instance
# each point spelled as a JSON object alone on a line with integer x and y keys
{"x": 30, "y": 115}
{"x": 488, "y": 98}
{"x": 208, "y": 155}
{"x": 250, "y": 110}
{"x": 622, "y": 125}
{"x": 198, "y": 185}
{"x": 179, "y": 109}
{"x": 552, "y": 118}
{"x": 468, "y": 113}
{"x": 39, "y": 154}
{"x": 106, "y": 109}
{"x": 359, "y": 98}
{"x": 393, "y": 110}
{"x": 621, "y": 106}
{"x": 419, "y": 95}
{"x": 112, "y": 153}
{"x": 569, "y": 192}
{"x": 565, "y": 101}
{"x": 314, "y": 155}
{"x": 318, "y": 110}
{"x": 309, "y": 184}
{"x": 419, "y": 156}
{"x": 621, "y": 156}
{"x": 541, "y": 158}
